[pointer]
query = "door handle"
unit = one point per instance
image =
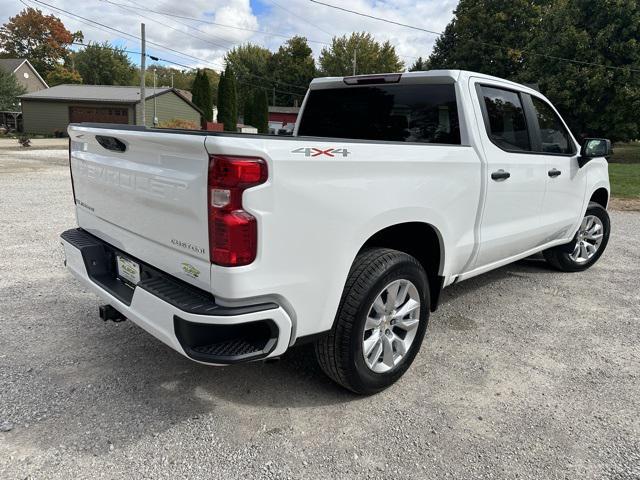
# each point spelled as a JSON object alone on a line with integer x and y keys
{"x": 554, "y": 172}
{"x": 500, "y": 175}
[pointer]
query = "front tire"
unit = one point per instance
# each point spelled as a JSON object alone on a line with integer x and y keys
{"x": 380, "y": 323}
{"x": 587, "y": 246}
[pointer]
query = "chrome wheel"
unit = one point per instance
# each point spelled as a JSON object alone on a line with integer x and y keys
{"x": 391, "y": 326}
{"x": 589, "y": 239}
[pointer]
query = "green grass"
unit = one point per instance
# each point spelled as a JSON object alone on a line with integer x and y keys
{"x": 626, "y": 153}
{"x": 625, "y": 179}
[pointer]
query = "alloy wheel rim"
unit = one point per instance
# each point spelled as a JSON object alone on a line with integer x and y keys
{"x": 391, "y": 326}
{"x": 588, "y": 239}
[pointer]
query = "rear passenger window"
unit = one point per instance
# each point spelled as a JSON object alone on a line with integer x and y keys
{"x": 554, "y": 136}
{"x": 505, "y": 114}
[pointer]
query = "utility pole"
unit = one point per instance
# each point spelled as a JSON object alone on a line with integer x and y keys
{"x": 155, "y": 111}
{"x": 171, "y": 79}
{"x": 355, "y": 59}
{"x": 143, "y": 95}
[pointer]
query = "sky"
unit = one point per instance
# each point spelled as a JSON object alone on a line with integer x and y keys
{"x": 200, "y": 43}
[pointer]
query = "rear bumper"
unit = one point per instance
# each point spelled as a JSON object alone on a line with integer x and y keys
{"x": 180, "y": 315}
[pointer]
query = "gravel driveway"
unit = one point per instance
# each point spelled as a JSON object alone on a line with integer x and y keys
{"x": 524, "y": 373}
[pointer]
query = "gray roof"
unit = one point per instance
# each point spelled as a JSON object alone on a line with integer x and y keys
{"x": 94, "y": 93}
{"x": 9, "y": 65}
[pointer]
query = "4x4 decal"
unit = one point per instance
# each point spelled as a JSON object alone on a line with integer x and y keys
{"x": 316, "y": 152}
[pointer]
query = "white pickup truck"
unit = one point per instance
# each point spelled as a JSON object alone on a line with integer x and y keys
{"x": 232, "y": 247}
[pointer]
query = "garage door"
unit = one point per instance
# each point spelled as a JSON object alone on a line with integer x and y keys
{"x": 98, "y": 114}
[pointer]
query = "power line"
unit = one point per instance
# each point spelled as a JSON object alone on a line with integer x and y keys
{"x": 68, "y": 16}
{"x": 280, "y": 82}
{"x": 300, "y": 17}
{"x": 138, "y": 6}
{"x": 182, "y": 54}
{"x": 376, "y": 18}
{"x": 173, "y": 16}
{"x": 132, "y": 9}
{"x": 553, "y": 57}
{"x": 115, "y": 49}
{"x": 158, "y": 59}
{"x": 132, "y": 52}
{"x": 207, "y": 22}
{"x": 222, "y": 46}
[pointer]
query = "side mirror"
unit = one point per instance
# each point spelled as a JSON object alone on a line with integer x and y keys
{"x": 594, "y": 148}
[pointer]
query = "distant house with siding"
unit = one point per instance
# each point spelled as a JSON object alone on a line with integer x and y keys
{"x": 25, "y": 74}
{"x": 50, "y": 111}
{"x": 27, "y": 77}
{"x": 282, "y": 119}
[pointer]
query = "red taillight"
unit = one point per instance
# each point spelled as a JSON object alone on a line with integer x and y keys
{"x": 233, "y": 233}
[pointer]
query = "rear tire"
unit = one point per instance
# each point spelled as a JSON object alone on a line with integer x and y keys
{"x": 385, "y": 302}
{"x": 587, "y": 246}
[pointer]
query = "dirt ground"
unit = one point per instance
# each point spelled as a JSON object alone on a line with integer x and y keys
{"x": 524, "y": 373}
{"x": 36, "y": 144}
{"x": 625, "y": 204}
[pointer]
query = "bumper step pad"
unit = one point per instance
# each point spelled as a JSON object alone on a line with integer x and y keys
{"x": 230, "y": 348}
{"x": 221, "y": 343}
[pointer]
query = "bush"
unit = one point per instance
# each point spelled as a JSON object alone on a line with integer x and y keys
{"x": 24, "y": 141}
{"x": 180, "y": 123}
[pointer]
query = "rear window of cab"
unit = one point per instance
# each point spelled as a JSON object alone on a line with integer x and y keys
{"x": 399, "y": 113}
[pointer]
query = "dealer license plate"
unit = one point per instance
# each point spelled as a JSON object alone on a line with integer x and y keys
{"x": 128, "y": 270}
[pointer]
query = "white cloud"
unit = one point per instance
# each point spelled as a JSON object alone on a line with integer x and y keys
{"x": 210, "y": 42}
{"x": 313, "y": 20}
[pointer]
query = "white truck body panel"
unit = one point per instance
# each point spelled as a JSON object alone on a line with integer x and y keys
{"x": 302, "y": 193}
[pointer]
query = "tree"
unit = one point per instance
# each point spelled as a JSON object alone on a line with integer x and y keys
{"x": 61, "y": 75}
{"x": 202, "y": 94}
{"x": 10, "y": 89}
{"x": 371, "y": 56}
{"x": 42, "y": 39}
{"x": 231, "y": 123}
{"x": 207, "y": 90}
{"x": 292, "y": 68}
{"x": 261, "y": 111}
{"x": 220, "y": 102}
{"x": 527, "y": 40}
{"x": 166, "y": 76}
{"x": 250, "y": 65}
{"x": 248, "y": 114}
{"x": 196, "y": 90}
{"x": 594, "y": 101}
{"x": 195, "y": 86}
{"x": 488, "y": 37}
{"x": 228, "y": 100}
{"x": 104, "y": 64}
{"x": 419, "y": 65}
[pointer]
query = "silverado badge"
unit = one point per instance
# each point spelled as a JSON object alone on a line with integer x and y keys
{"x": 190, "y": 270}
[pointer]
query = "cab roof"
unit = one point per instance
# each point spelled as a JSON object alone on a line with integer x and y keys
{"x": 429, "y": 76}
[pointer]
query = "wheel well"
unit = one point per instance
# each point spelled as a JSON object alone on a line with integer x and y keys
{"x": 600, "y": 196}
{"x": 421, "y": 241}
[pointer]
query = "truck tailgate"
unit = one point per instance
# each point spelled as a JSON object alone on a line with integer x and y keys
{"x": 150, "y": 200}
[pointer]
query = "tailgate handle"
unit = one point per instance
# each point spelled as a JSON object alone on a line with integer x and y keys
{"x": 111, "y": 143}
